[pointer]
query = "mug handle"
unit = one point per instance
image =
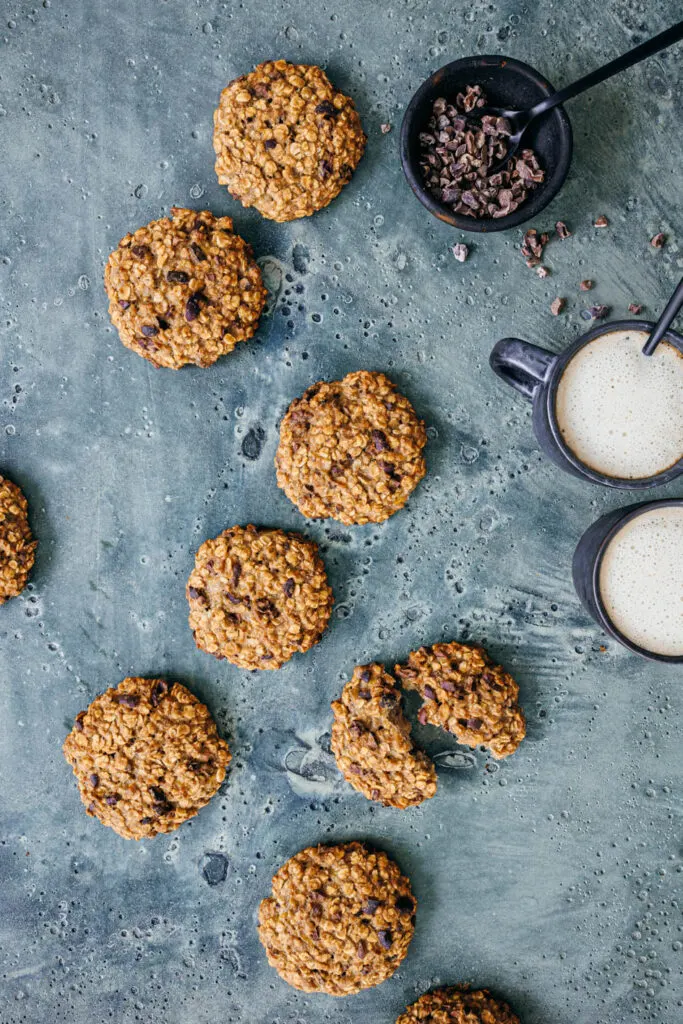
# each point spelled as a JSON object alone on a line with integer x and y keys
{"x": 521, "y": 364}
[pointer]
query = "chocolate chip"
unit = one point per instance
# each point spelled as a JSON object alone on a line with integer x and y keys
{"x": 266, "y": 608}
{"x": 94, "y": 779}
{"x": 327, "y": 108}
{"x": 195, "y": 766}
{"x": 158, "y": 794}
{"x": 159, "y": 690}
{"x": 261, "y": 89}
{"x": 124, "y": 304}
{"x": 198, "y": 252}
{"x": 365, "y": 675}
{"x": 78, "y": 722}
{"x": 658, "y": 241}
{"x": 447, "y": 685}
{"x": 191, "y": 309}
{"x": 129, "y": 700}
{"x": 270, "y": 143}
{"x": 162, "y": 808}
{"x": 149, "y": 331}
{"x": 429, "y": 693}
{"x": 139, "y": 250}
{"x": 361, "y": 950}
{"x": 370, "y": 906}
{"x": 325, "y": 169}
{"x": 177, "y": 277}
{"x": 379, "y": 439}
{"x": 474, "y": 723}
{"x": 194, "y": 592}
{"x": 385, "y": 939}
{"x": 405, "y": 904}
{"x": 232, "y": 598}
{"x": 388, "y": 700}
{"x": 336, "y": 471}
{"x": 562, "y": 230}
{"x": 112, "y": 799}
{"x": 163, "y": 324}
{"x": 388, "y": 467}
{"x": 364, "y": 695}
{"x": 288, "y": 587}
{"x": 146, "y": 821}
{"x": 236, "y": 572}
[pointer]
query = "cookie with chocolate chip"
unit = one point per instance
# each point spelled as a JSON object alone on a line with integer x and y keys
{"x": 258, "y": 596}
{"x": 17, "y": 546}
{"x": 464, "y": 692}
{"x": 351, "y": 449}
{"x": 340, "y": 919}
{"x": 286, "y": 140}
{"x": 456, "y": 1005}
{"x": 146, "y": 756}
{"x": 184, "y": 289}
{"x": 372, "y": 744}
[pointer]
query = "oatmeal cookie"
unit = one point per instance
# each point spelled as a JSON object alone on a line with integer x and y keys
{"x": 258, "y": 596}
{"x": 184, "y": 289}
{"x": 340, "y": 919}
{"x": 456, "y": 1005}
{"x": 372, "y": 744}
{"x": 286, "y": 140}
{"x": 146, "y": 756}
{"x": 351, "y": 449}
{"x": 466, "y": 694}
{"x": 17, "y": 546}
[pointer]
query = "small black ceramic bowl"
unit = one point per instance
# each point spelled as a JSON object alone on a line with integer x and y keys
{"x": 507, "y": 83}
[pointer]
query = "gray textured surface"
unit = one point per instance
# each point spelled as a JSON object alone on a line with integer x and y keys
{"x": 553, "y": 879}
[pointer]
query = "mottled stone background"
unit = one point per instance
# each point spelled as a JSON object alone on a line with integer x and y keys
{"x": 553, "y": 877}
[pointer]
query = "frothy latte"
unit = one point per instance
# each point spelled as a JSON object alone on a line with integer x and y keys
{"x": 621, "y": 412}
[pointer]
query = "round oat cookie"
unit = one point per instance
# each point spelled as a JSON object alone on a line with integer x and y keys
{"x": 146, "y": 756}
{"x": 340, "y": 919}
{"x": 184, "y": 289}
{"x": 466, "y": 694}
{"x": 456, "y": 1005}
{"x": 17, "y": 546}
{"x": 257, "y": 596}
{"x": 286, "y": 140}
{"x": 372, "y": 744}
{"x": 351, "y": 449}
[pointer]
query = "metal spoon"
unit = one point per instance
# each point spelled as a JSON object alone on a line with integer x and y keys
{"x": 671, "y": 311}
{"x": 520, "y": 120}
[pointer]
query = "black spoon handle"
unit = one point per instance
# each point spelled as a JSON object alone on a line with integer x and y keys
{"x": 673, "y": 308}
{"x": 627, "y": 60}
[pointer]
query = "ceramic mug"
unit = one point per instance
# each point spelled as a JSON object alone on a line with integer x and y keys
{"x": 536, "y": 374}
{"x": 587, "y": 565}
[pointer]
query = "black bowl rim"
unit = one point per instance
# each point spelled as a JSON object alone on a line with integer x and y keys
{"x": 631, "y": 512}
{"x": 523, "y": 213}
{"x": 666, "y": 476}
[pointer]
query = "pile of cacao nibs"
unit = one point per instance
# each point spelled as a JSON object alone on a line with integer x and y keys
{"x": 457, "y": 151}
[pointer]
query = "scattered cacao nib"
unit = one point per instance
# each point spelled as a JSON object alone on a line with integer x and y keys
{"x": 159, "y": 690}
{"x": 139, "y": 250}
{"x": 149, "y": 331}
{"x": 601, "y": 221}
{"x": 586, "y": 285}
{"x": 562, "y": 230}
{"x": 288, "y": 587}
{"x": 542, "y": 272}
{"x": 460, "y": 251}
{"x": 429, "y": 692}
{"x": 658, "y": 240}
{"x": 177, "y": 277}
{"x": 191, "y": 309}
{"x": 270, "y": 143}
{"x": 78, "y": 722}
{"x": 327, "y": 108}
{"x": 128, "y": 700}
{"x": 595, "y": 312}
{"x": 635, "y": 308}
{"x": 405, "y": 905}
{"x": 457, "y": 152}
{"x": 198, "y": 252}
{"x": 385, "y": 128}
{"x": 557, "y": 305}
{"x": 385, "y": 939}
{"x": 112, "y": 799}
{"x": 379, "y": 439}
{"x": 533, "y": 245}
{"x": 325, "y": 169}
{"x": 124, "y": 304}
{"x": 94, "y": 779}
{"x": 370, "y": 906}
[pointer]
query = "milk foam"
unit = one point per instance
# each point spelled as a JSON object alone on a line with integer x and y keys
{"x": 641, "y": 580}
{"x": 619, "y": 411}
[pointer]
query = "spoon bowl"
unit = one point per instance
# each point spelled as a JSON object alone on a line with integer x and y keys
{"x": 510, "y": 85}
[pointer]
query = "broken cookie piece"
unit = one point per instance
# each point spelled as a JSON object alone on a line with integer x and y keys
{"x": 466, "y": 694}
{"x": 372, "y": 744}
